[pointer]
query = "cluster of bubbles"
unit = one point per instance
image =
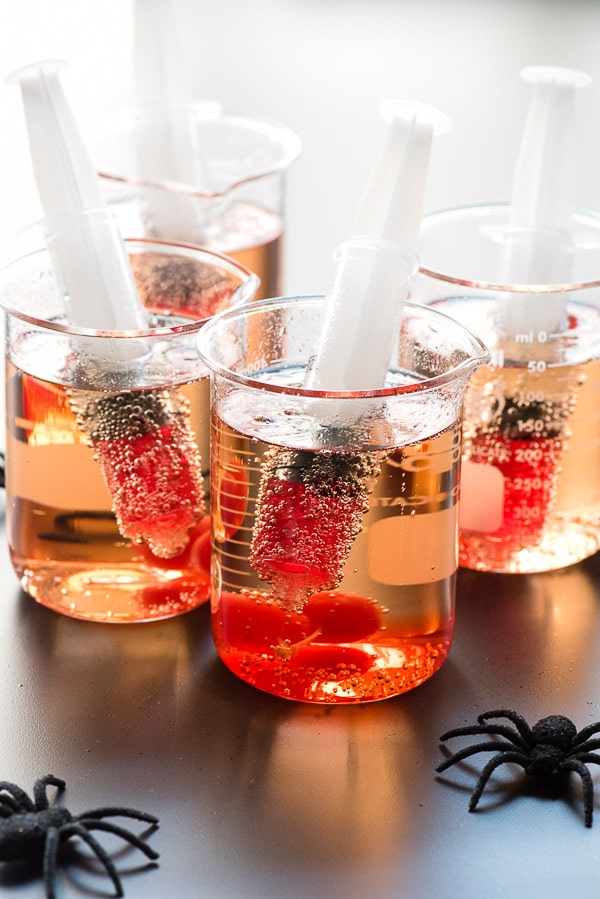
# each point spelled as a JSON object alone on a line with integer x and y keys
{"x": 309, "y": 511}
{"x": 145, "y": 446}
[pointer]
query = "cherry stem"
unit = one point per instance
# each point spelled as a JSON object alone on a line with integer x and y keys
{"x": 284, "y": 650}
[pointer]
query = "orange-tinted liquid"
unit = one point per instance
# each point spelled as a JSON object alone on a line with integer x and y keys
{"x": 250, "y": 234}
{"x": 266, "y": 261}
{"x": 386, "y": 623}
{"x": 253, "y": 236}
{"x": 65, "y": 541}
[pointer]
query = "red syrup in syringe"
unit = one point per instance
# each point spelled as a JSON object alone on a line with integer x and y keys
{"x": 146, "y": 450}
{"x": 308, "y": 514}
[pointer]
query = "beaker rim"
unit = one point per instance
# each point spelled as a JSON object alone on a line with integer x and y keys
{"x": 478, "y": 353}
{"x": 243, "y": 292}
{"x": 446, "y": 215}
{"x": 211, "y": 113}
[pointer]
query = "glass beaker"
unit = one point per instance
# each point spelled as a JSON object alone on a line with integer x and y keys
{"x": 530, "y": 495}
{"x": 334, "y": 581}
{"x": 206, "y": 177}
{"x": 108, "y": 437}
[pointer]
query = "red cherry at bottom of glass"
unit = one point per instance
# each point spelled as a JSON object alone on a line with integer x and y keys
{"x": 335, "y": 650}
{"x": 342, "y": 617}
{"x": 189, "y": 584}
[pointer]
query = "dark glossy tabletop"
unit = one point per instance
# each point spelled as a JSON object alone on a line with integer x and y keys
{"x": 259, "y": 797}
{"x": 262, "y": 797}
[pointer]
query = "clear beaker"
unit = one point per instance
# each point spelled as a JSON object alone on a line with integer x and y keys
{"x": 334, "y": 580}
{"x": 530, "y": 495}
{"x": 107, "y": 449}
{"x": 206, "y": 177}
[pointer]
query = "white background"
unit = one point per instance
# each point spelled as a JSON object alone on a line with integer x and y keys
{"x": 323, "y": 67}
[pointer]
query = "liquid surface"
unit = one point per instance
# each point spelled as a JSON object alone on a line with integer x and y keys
{"x": 253, "y": 237}
{"x": 250, "y": 234}
{"x": 106, "y": 516}
{"x": 336, "y": 583}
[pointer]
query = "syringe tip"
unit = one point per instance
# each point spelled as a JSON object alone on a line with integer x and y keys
{"x": 556, "y": 75}
{"x": 46, "y": 66}
{"x": 410, "y": 110}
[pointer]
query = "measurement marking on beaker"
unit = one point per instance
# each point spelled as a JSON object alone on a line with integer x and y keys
{"x": 537, "y": 366}
{"x": 531, "y": 337}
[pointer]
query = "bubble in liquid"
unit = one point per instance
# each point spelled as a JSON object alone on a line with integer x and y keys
{"x": 183, "y": 286}
{"x": 145, "y": 446}
{"x": 308, "y": 514}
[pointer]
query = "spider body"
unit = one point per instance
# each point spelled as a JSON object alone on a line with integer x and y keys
{"x": 24, "y": 834}
{"x": 550, "y": 749}
{"x": 36, "y": 829}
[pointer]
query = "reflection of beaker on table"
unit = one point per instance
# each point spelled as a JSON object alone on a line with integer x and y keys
{"x": 230, "y": 196}
{"x": 530, "y": 496}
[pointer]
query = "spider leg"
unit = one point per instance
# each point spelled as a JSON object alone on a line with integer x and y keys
{"x": 74, "y": 828}
{"x": 591, "y": 758}
{"x": 8, "y": 806}
{"x": 499, "y": 730}
{"x": 587, "y": 732}
{"x": 578, "y": 767}
{"x": 20, "y": 796}
{"x": 109, "y": 811}
{"x": 109, "y": 827}
{"x": 39, "y": 790}
{"x": 585, "y": 747}
{"x": 49, "y": 864}
{"x": 518, "y": 721}
{"x": 489, "y": 769}
{"x": 490, "y": 746}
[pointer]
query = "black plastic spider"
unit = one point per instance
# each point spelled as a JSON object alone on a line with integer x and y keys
{"x": 549, "y": 749}
{"x": 35, "y": 829}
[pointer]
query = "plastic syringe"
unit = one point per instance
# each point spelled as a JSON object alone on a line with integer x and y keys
{"x": 538, "y": 251}
{"x": 165, "y": 153}
{"x": 375, "y": 266}
{"x": 310, "y": 505}
{"x": 153, "y": 435}
{"x": 539, "y": 247}
{"x": 92, "y": 258}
